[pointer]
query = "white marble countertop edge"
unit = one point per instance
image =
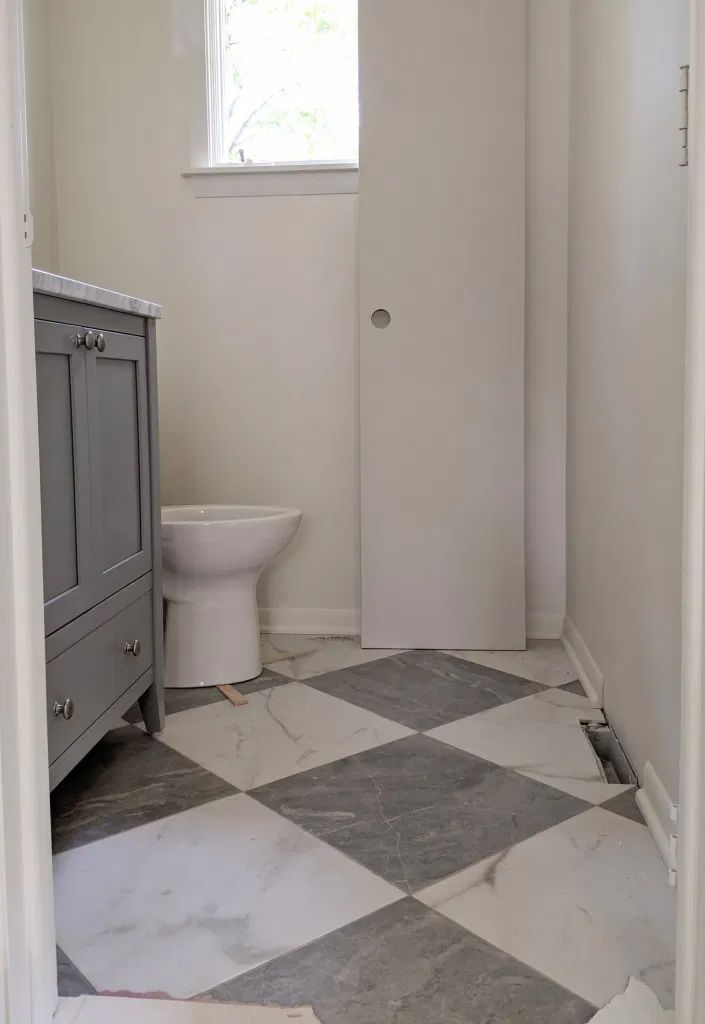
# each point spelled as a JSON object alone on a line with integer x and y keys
{"x": 67, "y": 288}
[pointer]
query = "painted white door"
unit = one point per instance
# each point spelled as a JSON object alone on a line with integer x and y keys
{"x": 441, "y": 249}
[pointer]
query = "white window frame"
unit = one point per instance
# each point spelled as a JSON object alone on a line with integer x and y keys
{"x": 220, "y": 179}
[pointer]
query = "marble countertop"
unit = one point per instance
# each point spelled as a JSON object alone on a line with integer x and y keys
{"x": 67, "y": 288}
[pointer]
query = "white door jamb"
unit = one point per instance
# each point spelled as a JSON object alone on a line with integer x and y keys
{"x": 690, "y": 982}
{"x": 28, "y": 959}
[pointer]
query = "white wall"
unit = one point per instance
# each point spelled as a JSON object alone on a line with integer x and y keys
{"x": 626, "y": 364}
{"x": 40, "y": 133}
{"x": 258, "y": 350}
{"x": 547, "y": 158}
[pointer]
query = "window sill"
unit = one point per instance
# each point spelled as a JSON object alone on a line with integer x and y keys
{"x": 310, "y": 179}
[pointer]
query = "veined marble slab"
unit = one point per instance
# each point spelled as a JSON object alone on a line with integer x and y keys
{"x": 409, "y": 965}
{"x": 280, "y": 732}
{"x": 587, "y": 903}
{"x": 181, "y": 905}
{"x": 80, "y": 291}
{"x": 302, "y": 657}
{"x": 539, "y": 736}
{"x": 638, "y": 1005}
{"x": 544, "y": 661}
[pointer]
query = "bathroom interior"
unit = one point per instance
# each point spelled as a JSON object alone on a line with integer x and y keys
{"x": 360, "y": 337}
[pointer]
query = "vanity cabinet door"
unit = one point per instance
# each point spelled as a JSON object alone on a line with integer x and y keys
{"x": 65, "y": 474}
{"x": 116, "y": 374}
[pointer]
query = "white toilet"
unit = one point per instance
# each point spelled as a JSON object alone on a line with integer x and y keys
{"x": 213, "y": 556}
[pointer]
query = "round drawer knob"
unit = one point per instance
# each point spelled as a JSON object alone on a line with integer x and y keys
{"x": 100, "y": 342}
{"x": 63, "y": 709}
{"x": 133, "y": 647}
{"x": 87, "y": 340}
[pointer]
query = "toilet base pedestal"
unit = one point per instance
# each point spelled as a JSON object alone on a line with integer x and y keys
{"x": 212, "y": 635}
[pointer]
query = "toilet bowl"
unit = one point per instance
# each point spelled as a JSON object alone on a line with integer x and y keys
{"x": 213, "y": 556}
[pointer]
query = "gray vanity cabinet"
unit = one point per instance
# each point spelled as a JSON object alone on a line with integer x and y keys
{"x": 118, "y": 431}
{"x": 96, "y": 394}
{"x": 69, "y": 578}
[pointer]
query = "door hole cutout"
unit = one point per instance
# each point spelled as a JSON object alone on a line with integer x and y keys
{"x": 381, "y": 318}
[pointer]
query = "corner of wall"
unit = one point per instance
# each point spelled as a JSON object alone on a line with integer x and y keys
{"x": 585, "y": 665}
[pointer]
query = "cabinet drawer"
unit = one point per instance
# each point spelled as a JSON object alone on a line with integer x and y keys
{"x": 94, "y": 672}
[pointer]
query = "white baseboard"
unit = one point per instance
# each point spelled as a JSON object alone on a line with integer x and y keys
{"x": 661, "y": 816}
{"x": 311, "y": 621}
{"x": 585, "y": 665}
{"x": 346, "y": 622}
{"x": 544, "y": 626}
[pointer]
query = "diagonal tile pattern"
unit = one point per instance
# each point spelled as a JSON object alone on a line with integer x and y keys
{"x": 577, "y": 903}
{"x": 417, "y": 841}
{"x": 626, "y": 805}
{"x": 422, "y": 689}
{"x": 540, "y": 737}
{"x": 180, "y": 905}
{"x": 417, "y": 810}
{"x": 407, "y": 963}
{"x": 129, "y": 779}
{"x": 280, "y": 731}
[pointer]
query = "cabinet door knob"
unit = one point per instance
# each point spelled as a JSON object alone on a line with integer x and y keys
{"x": 87, "y": 340}
{"x": 100, "y": 342}
{"x": 133, "y": 647}
{"x": 63, "y": 709}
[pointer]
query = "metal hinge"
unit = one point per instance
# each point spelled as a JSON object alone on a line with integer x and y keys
{"x": 28, "y": 226}
{"x": 673, "y": 847}
{"x": 673, "y": 850}
{"x": 685, "y": 111}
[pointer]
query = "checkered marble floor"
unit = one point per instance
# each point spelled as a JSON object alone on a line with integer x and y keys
{"x": 390, "y": 836}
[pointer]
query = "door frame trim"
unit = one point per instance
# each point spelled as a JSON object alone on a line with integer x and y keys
{"x": 28, "y": 965}
{"x": 690, "y": 980}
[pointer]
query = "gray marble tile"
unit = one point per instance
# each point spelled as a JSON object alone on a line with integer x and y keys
{"x": 625, "y": 804}
{"x": 71, "y": 981}
{"x": 128, "y": 779}
{"x": 423, "y": 689}
{"x": 198, "y": 696}
{"x": 575, "y": 687}
{"x": 407, "y": 965}
{"x": 417, "y": 810}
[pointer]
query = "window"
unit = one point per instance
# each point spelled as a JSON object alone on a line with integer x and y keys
{"x": 282, "y": 82}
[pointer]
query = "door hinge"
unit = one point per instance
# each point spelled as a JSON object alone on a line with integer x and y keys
{"x": 673, "y": 869}
{"x": 28, "y": 227}
{"x": 683, "y": 129}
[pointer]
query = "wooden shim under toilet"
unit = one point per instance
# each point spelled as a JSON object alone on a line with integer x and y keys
{"x": 233, "y": 695}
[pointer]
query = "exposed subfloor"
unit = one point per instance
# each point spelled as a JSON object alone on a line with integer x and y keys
{"x": 385, "y": 836}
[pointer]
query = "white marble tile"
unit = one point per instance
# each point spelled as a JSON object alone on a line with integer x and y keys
{"x": 301, "y": 657}
{"x": 539, "y": 736}
{"x": 281, "y": 731}
{"x": 116, "y": 1010}
{"x": 544, "y": 661}
{"x": 183, "y": 904}
{"x": 638, "y": 1005}
{"x": 587, "y": 903}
